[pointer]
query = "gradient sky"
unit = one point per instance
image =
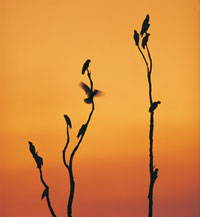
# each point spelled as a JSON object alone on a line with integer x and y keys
{"x": 44, "y": 44}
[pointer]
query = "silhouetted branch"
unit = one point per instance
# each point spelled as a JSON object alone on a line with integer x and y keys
{"x": 39, "y": 163}
{"x": 144, "y": 58}
{"x": 65, "y": 148}
{"x": 152, "y": 107}
{"x": 81, "y": 133}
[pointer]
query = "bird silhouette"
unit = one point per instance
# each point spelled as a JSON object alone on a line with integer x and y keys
{"x": 85, "y": 66}
{"x": 155, "y": 174}
{"x": 145, "y": 40}
{"x": 136, "y": 38}
{"x": 145, "y": 25}
{"x": 32, "y": 148}
{"x": 154, "y": 106}
{"x": 68, "y": 121}
{"x": 89, "y": 93}
{"x": 39, "y": 161}
{"x": 82, "y": 130}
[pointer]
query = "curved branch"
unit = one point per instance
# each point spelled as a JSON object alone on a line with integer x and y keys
{"x": 47, "y": 193}
{"x": 144, "y": 58}
{"x": 69, "y": 167}
{"x": 149, "y": 77}
{"x": 149, "y": 55}
{"x": 65, "y": 148}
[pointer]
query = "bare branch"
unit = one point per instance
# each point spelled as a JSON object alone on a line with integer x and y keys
{"x": 39, "y": 163}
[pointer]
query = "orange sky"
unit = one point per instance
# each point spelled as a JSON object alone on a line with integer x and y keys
{"x": 43, "y": 46}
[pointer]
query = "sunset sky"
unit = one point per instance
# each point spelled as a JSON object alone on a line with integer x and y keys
{"x": 44, "y": 44}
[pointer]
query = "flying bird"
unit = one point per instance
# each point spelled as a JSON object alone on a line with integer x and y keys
{"x": 82, "y": 130}
{"x": 145, "y": 40}
{"x": 145, "y": 25}
{"x": 89, "y": 93}
{"x": 136, "y": 38}
{"x": 154, "y": 106}
{"x": 85, "y": 66}
{"x": 68, "y": 121}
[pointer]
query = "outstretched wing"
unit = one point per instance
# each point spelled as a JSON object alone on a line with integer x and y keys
{"x": 85, "y": 88}
{"x": 97, "y": 93}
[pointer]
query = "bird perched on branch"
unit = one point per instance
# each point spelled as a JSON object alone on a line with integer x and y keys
{"x": 145, "y": 25}
{"x": 68, "y": 121}
{"x": 154, "y": 106}
{"x": 136, "y": 38}
{"x": 85, "y": 66}
{"x": 145, "y": 40}
{"x": 155, "y": 174}
{"x": 82, "y": 130}
{"x": 89, "y": 93}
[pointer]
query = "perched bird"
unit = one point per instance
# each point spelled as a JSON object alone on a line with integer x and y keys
{"x": 68, "y": 121}
{"x": 85, "y": 66}
{"x": 155, "y": 174}
{"x": 145, "y": 40}
{"x": 82, "y": 130}
{"x": 39, "y": 161}
{"x": 154, "y": 106}
{"x": 89, "y": 93}
{"x": 136, "y": 38}
{"x": 145, "y": 25}
{"x": 32, "y": 148}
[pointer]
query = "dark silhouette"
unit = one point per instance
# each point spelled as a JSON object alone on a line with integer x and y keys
{"x": 136, "y": 37}
{"x": 81, "y": 133}
{"x": 39, "y": 163}
{"x": 82, "y": 130}
{"x": 145, "y": 25}
{"x": 90, "y": 93}
{"x": 145, "y": 40}
{"x": 153, "y": 106}
{"x": 68, "y": 121}
{"x": 85, "y": 66}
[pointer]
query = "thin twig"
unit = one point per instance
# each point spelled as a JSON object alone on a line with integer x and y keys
{"x": 144, "y": 58}
{"x": 65, "y": 148}
{"x": 69, "y": 166}
{"x": 47, "y": 193}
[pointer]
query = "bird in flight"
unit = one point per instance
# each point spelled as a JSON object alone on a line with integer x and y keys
{"x": 85, "y": 66}
{"x": 145, "y": 25}
{"x": 89, "y": 93}
{"x": 154, "y": 106}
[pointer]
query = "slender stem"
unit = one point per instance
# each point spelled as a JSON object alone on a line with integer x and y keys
{"x": 72, "y": 182}
{"x": 151, "y": 167}
{"x": 151, "y": 185}
{"x": 69, "y": 167}
{"x": 47, "y": 195}
{"x": 65, "y": 148}
{"x": 149, "y": 76}
{"x": 144, "y": 58}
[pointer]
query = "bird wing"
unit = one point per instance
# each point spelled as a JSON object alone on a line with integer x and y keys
{"x": 97, "y": 93}
{"x": 85, "y": 88}
{"x": 88, "y": 100}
